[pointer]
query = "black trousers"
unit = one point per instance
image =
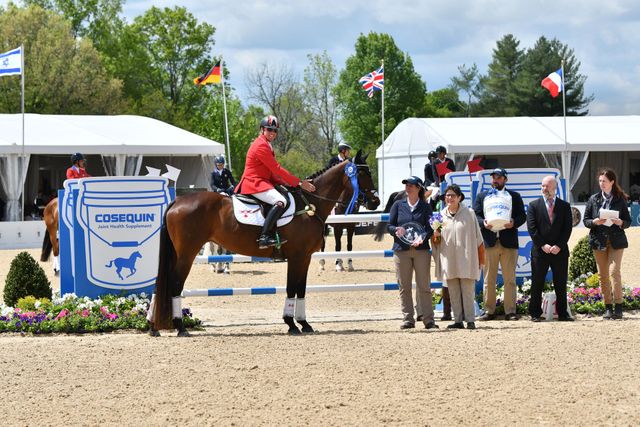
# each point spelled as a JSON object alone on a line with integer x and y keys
{"x": 540, "y": 264}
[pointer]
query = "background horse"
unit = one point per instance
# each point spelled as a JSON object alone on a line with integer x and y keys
{"x": 197, "y": 218}
{"x": 338, "y": 228}
{"x": 50, "y": 241}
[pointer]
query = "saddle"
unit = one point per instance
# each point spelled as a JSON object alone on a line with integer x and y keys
{"x": 252, "y": 211}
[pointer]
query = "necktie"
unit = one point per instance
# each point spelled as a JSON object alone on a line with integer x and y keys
{"x": 550, "y": 209}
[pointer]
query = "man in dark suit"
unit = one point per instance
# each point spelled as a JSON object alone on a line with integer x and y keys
{"x": 501, "y": 247}
{"x": 549, "y": 222}
{"x": 430, "y": 174}
{"x": 343, "y": 154}
{"x": 221, "y": 180}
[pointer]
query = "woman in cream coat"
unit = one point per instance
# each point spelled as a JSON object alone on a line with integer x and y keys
{"x": 459, "y": 254}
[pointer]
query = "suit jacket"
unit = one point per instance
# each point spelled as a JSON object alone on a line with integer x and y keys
{"x": 262, "y": 171}
{"x": 544, "y": 232}
{"x": 599, "y": 234}
{"x": 509, "y": 236}
{"x": 221, "y": 181}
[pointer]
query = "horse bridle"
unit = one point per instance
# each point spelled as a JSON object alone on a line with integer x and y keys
{"x": 363, "y": 193}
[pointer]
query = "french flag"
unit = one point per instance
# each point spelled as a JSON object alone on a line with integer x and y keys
{"x": 553, "y": 83}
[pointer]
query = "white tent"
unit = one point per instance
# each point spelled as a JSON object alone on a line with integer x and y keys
{"x": 406, "y": 148}
{"x": 114, "y": 145}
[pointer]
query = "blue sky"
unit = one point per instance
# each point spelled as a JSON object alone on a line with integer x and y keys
{"x": 439, "y": 36}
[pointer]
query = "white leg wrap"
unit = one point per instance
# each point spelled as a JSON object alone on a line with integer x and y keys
{"x": 56, "y": 263}
{"x": 152, "y": 306}
{"x": 300, "y": 309}
{"x": 176, "y": 307}
{"x": 289, "y": 307}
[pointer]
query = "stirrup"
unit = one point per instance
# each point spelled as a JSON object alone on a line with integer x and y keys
{"x": 265, "y": 241}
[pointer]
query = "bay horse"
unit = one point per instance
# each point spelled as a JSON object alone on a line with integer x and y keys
{"x": 50, "y": 242}
{"x": 194, "y": 219}
{"x": 338, "y": 228}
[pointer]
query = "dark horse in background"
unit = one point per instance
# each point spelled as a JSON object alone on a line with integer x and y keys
{"x": 370, "y": 203}
{"x": 194, "y": 219}
{"x": 50, "y": 241}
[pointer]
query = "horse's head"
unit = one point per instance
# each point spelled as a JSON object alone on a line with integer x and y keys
{"x": 365, "y": 182}
{"x": 136, "y": 254}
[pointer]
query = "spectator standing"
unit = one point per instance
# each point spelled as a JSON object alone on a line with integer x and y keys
{"x": 221, "y": 178}
{"x": 607, "y": 238}
{"x": 411, "y": 252}
{"x": 501, "y": 247}
{"x": 549, "y": 222}
{"x": 459, "y": 252}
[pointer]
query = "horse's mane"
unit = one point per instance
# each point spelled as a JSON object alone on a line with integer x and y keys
{"x": 321, "y": 171}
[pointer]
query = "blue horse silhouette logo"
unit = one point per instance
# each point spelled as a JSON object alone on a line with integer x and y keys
{"x": 525, "y": 252}
{"x": 128, "y": 263}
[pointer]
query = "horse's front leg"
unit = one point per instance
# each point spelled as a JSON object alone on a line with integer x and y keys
{"x": 350, "y": 231}
{"x": 294, "y": 306}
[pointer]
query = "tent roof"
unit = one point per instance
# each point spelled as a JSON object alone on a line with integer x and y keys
{"x": 61, "y": 134}
{"x": 513, "y": 135}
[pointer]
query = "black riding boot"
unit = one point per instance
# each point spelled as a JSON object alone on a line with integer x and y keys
{"x": 608, "y": 312}
{"x": 268, "y": 236}
{"x": 617, "y": 311}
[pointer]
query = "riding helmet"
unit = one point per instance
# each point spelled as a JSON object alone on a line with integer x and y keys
{"x": 441, "y": 149}
{"x": 219, "y": 159}
{"x": 270, "y": 122}
{"x": 342, "y": 146}
{"x": 76, "y": 157}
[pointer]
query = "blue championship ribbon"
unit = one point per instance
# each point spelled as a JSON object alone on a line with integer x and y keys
{"x": 351, "y": 171}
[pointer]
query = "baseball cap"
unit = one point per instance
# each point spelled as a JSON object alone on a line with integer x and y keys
{"x": 500, "y": 172}
{"x": 414, "y": 180}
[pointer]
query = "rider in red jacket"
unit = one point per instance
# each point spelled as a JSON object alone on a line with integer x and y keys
{"x": 262, "y": 173}
{"x": 77, "y": 170}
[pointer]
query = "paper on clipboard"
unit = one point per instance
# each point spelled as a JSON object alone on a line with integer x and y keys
{"x": 608, "y": 214}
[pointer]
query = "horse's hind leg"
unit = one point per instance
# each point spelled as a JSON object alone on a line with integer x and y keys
{"x": 337, "y": 230}
{"x": 180, "y": 275}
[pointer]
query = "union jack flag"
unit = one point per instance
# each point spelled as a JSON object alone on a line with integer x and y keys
{"x": 373, "y": 81}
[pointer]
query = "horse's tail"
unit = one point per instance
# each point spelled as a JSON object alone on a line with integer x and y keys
{"x": 46, "y": 247}
{"x": 110, "y": 264}
{"x": 162, "y": 311}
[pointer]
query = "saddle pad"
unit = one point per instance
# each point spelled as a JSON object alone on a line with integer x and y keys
{"x": 250, "y": 213}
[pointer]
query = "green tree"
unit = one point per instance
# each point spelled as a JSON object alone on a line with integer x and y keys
{"x": 468, "y": 81}
{"x": 444, "y": 103}
{"x": 62, "y": 75}
{"x": 544, "y": 58}
{"x": 320, "y": 78}
{"x": 500, "y": 97}
{"x": 360, "y": 122}
{"x": 243, "y": 124}
{"x": 170, "y": 49}
{"x": 277, "y": 89}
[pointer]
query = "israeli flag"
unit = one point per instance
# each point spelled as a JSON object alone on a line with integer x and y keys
{"x": 11, "y": 62}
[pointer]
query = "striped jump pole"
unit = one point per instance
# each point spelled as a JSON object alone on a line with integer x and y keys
{"x": 201, "y": 259}
{"x": 219, "y": 292}
{"x": 343, "y": 219}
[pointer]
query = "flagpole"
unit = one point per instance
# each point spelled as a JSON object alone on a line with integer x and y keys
{"x": 22, "y": 109}
{"x": 226, "y": 122}
{"x": 382, "y": 174}
{"x": 565, "y": 155}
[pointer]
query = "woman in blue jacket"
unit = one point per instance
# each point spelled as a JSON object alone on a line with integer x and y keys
{"x": 409, "y": 226}
{"x": 607, "y": 238}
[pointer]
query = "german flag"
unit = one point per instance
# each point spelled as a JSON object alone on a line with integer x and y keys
{"x": 212, "y": 77}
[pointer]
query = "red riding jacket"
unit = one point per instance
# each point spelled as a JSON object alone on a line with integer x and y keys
{"x": 262, "y": 171}
{"x": 75, "y": 172}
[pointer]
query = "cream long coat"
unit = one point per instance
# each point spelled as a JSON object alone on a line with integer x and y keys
{"x": 456, "y": 257}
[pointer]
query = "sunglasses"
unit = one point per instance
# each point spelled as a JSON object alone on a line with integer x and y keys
{"x": 272, "y": 130}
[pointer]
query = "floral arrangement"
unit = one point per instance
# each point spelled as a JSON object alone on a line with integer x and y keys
{"x": 436, "y": 222}
{"x": 583, "y": 296}
{"x": 72, "y": 314}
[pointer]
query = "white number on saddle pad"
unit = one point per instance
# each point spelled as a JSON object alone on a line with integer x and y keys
{"x": 250, "y": 213}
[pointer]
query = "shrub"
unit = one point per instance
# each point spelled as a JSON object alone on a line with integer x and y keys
{"x": 25, "y": 278}
{"x": 582, "y": 260}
